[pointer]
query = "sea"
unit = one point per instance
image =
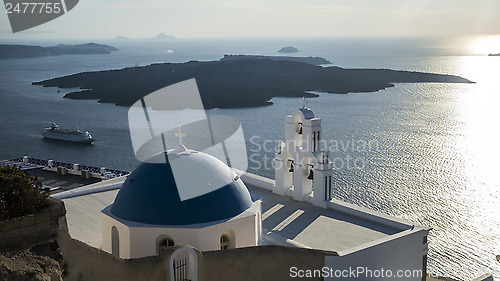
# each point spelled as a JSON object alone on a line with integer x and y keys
{"x": 425, "y": 152}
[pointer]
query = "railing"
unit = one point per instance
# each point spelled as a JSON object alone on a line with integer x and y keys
{"x": 90, "y": 168}
{"x": 72, "y": 168}
{"x": 117, "y": 173}
{"x": 37, "y": 161}
{"x": 61, "y": 164}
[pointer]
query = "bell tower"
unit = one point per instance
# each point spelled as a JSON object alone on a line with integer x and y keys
{"x": 301, "y": 167}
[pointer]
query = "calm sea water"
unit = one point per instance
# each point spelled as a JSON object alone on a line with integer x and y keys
{"x": 425, "y": 152}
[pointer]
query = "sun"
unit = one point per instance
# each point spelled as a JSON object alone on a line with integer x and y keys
{"x": 484, "y": 45}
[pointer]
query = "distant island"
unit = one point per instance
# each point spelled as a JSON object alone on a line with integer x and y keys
{"x": 494, "y": 55}
{"x": 27, "y": 51}
{"x": 160, "y": 36}
{"x": 163, "y": 36}
{"x": 288, "y": 50}
{"x": 309, "y": 60}
{"x": 234, "y": 83}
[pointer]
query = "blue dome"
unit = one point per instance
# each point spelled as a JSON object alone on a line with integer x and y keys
{"x": 307, "y": 112}
{"x": 150, "y": 194}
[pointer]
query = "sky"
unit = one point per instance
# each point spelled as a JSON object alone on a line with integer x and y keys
{"x": 267, "y": 18}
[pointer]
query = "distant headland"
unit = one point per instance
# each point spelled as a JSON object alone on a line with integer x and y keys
{"x": 494, "y": 55}
{"x": 27, "y": 51}
{"x": 235, "y": 83}
{"x": 309, "y": 60}
{"x": 288, "y": 49}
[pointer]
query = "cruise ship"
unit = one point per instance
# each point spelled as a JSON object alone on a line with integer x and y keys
{"x": 54, "y": 132}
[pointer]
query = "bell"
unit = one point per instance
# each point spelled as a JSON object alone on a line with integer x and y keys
{"x": 300, "y": 130}
{"x": 291, "y": 168}
{"x": 311, "y": 175}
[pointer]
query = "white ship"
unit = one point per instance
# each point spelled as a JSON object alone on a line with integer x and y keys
{"x": 54, "y": 132}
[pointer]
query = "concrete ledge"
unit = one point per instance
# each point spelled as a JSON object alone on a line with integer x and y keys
{"x": 257, "y": 180}
{"x": 485, "y": 277}
{"x": 280, "y": 240}
{"x": 368, "y": 214}
{"x": 381, "y": 241}
{"x": 97, "y": 187}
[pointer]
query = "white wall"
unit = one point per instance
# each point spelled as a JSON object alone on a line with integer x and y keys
{"x": 140, "y": 240}
{"x": 144, "y": 239}
{"x": 400, "y": 253}
{"x": 123, "y": 234}
{"x": 244, "y": 230}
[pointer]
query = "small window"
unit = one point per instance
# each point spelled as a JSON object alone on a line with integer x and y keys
{"x": 224, "y": 242}
{"x": 165, "y": 244}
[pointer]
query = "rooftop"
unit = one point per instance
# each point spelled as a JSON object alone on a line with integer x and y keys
{"x": 302, "y": 223}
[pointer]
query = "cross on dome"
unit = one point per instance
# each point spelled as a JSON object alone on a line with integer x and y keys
{"x": 303, "y": 102}
{"x": 180, "y": 135}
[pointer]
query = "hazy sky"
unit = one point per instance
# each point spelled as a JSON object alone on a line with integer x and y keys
{"x": 268, "y": 18}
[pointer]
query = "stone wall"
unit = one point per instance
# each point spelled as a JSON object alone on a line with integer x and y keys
{"x": 86, "y": 263}
{"x": 260, "y": 263}
{"x": 32, "y": 229}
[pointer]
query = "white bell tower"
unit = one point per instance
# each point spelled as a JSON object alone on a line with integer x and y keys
{"x": 301, "y": 167}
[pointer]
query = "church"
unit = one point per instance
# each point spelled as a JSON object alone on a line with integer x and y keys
{"x": 148, "y": 214}
{"x": 191, "y": 207}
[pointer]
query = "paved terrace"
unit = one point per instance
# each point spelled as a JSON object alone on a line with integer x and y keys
{"x": 316, "y": 227}
{"x": 83, "y": 212}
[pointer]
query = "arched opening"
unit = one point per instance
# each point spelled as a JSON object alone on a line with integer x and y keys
{"x": 115, "y": 242}
{"x": 224, "y": 242}
{"x": 184, "y": 264}
{"x": 288, "y": 170}
{"x": 297, "y": 121}
{"x": 307, "y": 174}
{"x": 227, "y": 240}
{"x": 163, "y": 243}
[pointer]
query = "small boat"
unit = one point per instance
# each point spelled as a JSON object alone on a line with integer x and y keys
{"x": 56, "y": 133}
